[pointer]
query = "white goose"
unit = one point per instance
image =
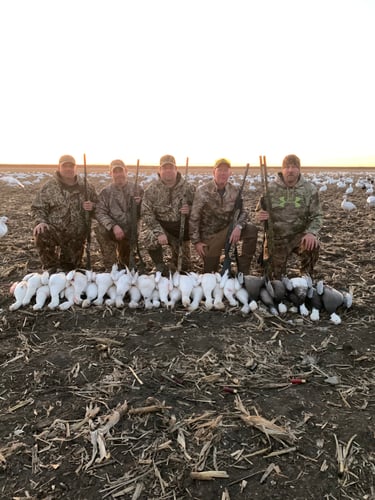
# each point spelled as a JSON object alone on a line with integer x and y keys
{"x": 3, "y": 226}
{"x": 346, "y": 205}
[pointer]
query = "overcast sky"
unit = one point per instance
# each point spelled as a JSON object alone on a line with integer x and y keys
{"x": 198, "y": 78}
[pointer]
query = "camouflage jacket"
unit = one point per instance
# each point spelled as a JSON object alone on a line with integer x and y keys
{"x": 60, "y": 205}
{"x": 294, "y": 210}
{"x": 162, "y": 204}
{"x": 114, "y": 205}
{"x": 212, "y": 212}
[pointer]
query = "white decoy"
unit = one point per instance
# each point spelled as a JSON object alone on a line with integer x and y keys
{"x": 349, "y": 190}
{"x": 41, "y": 296}
{"x": 18, "y": 290}
{"x": 57, "y": 283}
{"x": 371, "y": 201}
{"x": 3, "y": 226}
{"x": 323, "y": 188}
{"x": 11, "y": 181}
{"x": 346, "y": 205}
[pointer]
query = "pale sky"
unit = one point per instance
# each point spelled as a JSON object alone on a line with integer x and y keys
{"x": 199, "y": 78}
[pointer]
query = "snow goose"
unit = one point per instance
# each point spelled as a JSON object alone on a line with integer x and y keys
{"x": 78, "y": 279}
{"x": 103, "y": 282}
{"x": 301, "y": 289}
{"x": 57, "y": 284}
{"x": 371, "y": 201}
{"x": 208, "y": 282}
{"x": 197, "y": 295}
{"x": 164, "y": 286}
{"x": 146, "y": 285}
{"x": 3, "y": 226}
{"x": 18, "y": 290}
{"x": 349, "y": 190}
{"x": 41, "y": 296}
{"x": 346, "y": 205}
{"x": 34, "y": 281}
{"x": 231, "y": 286}
{"x": 91, "y": 289}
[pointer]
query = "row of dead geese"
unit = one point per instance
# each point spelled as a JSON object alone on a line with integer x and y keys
{"x": 120, "y": 288}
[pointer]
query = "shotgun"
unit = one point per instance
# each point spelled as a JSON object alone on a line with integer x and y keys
{"x": 182, "y": 227}
{"x": 87, "y": 217}
{"x": 236, "y": 213}
{"x": 134, "y": 245}
{"x": 268, "y": 225}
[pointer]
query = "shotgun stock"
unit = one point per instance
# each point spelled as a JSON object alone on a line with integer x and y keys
{"x": 236, "y": 213}
{"x": 268, "y": 225}
{"x": 182, "y": 227}
{"x": 87, "y": 217}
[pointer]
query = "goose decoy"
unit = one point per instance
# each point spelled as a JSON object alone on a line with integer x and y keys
{"x": 3, "y": 226}
{"x": 346, "y": 205}
{"x": 370, "y": 201}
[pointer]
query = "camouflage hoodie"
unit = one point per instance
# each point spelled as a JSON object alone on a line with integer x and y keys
{"x": 114, "y": 205}
{"x": 162, "y": 203}
{"x": 211, "y": 212}
{"x": 295, "y": 209}
{"x": 60, "y": 205}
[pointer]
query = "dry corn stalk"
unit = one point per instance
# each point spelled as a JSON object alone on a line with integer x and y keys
{"x": 208, "y": 475}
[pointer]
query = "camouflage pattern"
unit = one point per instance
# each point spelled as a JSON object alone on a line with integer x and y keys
{"x": 212, "y": 212}
{"x": 210, "y": 219}
{"x": 114, "y": 207}
{"x": 60, "y": 206}
{"x": 161, "y": 214}
{"x": 295, "y": 212}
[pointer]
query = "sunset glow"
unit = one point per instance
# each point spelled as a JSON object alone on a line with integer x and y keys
{"x": 198, "y": 78}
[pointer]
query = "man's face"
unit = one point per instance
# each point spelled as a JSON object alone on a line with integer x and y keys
{"x": 290, "y": 174}
{"x": 168, "y": 174}
{"x": 221, "y": 175}
{"x": 67, "y": 171}
{"x": 119, "y": 176}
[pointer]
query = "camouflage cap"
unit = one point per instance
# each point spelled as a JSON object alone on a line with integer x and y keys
{"x": 66, "y": 159}
{"x": 117, "y": 164}
{"x": 222, "y": 161}
{"x": 167, "y": 160}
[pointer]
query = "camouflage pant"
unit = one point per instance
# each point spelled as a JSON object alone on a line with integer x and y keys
{"x": 113, "y": 251}
{"x": 283, "y": 249}
{"x": 155, "y": 250}
{"x": 60, "y": 248}
{"x": 216, "y": 243}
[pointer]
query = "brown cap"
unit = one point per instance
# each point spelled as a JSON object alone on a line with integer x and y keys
{"x": 167, "y": 160}
{"x": 117, "y": 164}
{"x": 222, "y": 161}
{"x": 66, "y": 159}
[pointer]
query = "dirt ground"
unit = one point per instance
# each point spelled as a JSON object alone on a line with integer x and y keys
{"x": 184, "y": 392}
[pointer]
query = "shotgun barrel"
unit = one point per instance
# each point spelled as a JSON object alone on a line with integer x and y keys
{"x": 182, "y": 227}
{"x": 268, "y": 225}
{"x": 87, "y": 217}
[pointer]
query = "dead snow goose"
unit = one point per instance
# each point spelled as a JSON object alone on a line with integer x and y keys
{"x": 146, "y": 285}
{"x": 57, "y": 284}
{"x": 41, "y": 296}
{"x": 18, "y": 290}
{"x": 208, "y": 282}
